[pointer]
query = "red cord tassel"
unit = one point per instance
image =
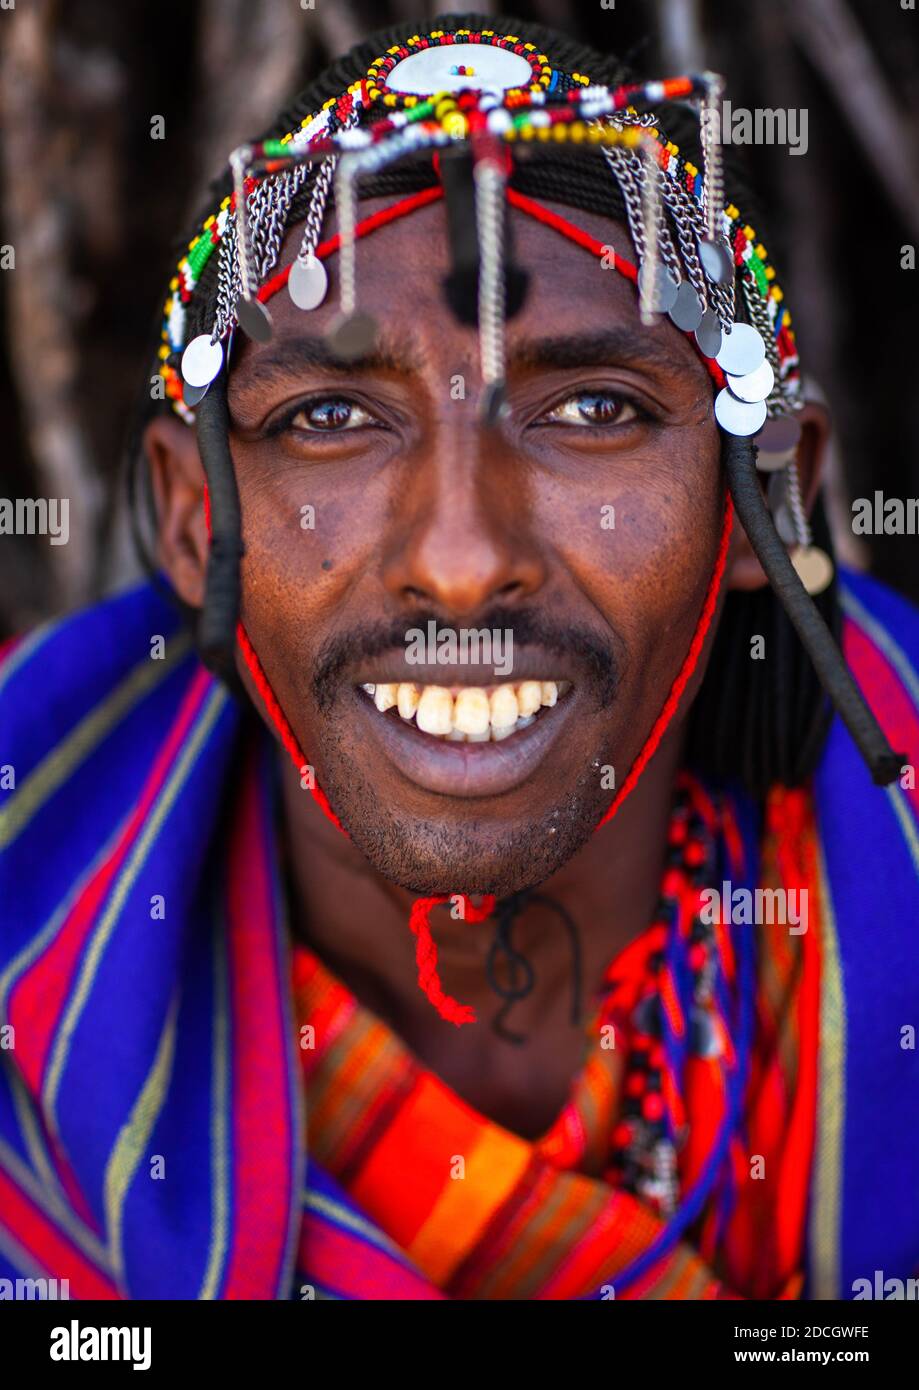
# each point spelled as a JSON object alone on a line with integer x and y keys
{"x": 426, "y": 952}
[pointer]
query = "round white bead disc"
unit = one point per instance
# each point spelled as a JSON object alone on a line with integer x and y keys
{"x": 201, "y": 360}
{"x": 428, "y": 71}
{"x": 709, "y": 335}
{"x": 755, "y": 386}
{"x": 741, "y": 351}
{"x": 307, "y": 283}
{"x": 738, "y": 417}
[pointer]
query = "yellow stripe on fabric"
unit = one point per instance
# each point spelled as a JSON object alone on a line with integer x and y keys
{"x": 28, "y": 1124}
{"x": 21, "y": 1259}
{"x": 334, "y": 1211}
{"x": 59, "y": 764}
{"x": 220, "y": 1197}
{"x": 38, "y": 943}
{"x": 826, "y": 1205}
{"x": 134, "y": 1136}
{"x": 56, "y": 1211}
{"x": 883, "y": 640}
{"x": 154, "y": 823}
{"x": 492, "y": 1171}
{"x": 906, "y": 822}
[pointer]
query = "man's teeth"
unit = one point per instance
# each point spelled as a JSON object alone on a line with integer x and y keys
{"x": 474, "y": 714}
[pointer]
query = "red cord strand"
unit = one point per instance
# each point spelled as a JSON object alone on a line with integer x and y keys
{"x": 690, "y": 661}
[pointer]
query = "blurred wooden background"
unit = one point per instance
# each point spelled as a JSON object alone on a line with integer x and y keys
{"x": 92, "y": 205}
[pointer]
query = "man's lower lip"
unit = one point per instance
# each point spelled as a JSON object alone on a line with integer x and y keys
{"x": 464, "y": 769}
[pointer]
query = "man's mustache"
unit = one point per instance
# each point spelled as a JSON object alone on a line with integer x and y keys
{"x": 596, "y": 658}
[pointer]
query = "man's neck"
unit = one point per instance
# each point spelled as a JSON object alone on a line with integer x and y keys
{"x": 356, "y": 922}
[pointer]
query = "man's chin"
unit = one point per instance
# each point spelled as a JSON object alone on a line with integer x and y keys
{"x": 431, "y": 859}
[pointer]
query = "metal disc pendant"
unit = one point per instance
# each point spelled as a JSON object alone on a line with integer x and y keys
{"x": 742, "y": 350}
{"x": 738, "y": 417}
{"x": 191, "y": 395}
{"x": 307, "y": 282}
{"x": 201, "y": 360}
{"x": 709, "y": 335}
{"x": 254, "y": 319}
{"x": 660, "y": 286}
{"x": 814, "y": 568}
{"x": 769, "y": 462}
{"x": 716, "y": 261}
{"x": 352, "y": 335}
{"x": 686, "y": 309}
{"x": 780, "y": 435}
{"x": 755, "y": 386}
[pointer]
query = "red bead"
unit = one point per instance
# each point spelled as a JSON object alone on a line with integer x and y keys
{"x": 622, "y": 1136}
{"x": 635, "y": 1085}
{"x": 658, "y": 1056}
{"x": 697, "y": 956}
{"x": 672, "y": 884}
{"x": 678, "y": 832}
{"x": 652, "y": 1107}
{"x": 694, "y": 853}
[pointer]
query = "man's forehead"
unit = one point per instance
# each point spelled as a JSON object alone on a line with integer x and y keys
{"x": 405, "y": 353}
{"x": 577, "y": 312}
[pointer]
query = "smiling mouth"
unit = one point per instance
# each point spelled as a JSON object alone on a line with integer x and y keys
{"x": 468, "y": 714}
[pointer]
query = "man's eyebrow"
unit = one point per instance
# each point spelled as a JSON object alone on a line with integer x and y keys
{"x": 287, "y": 357}
{"x": 606, "y": 348}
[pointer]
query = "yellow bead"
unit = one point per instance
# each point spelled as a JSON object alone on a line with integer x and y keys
{"x": 456, "y": 125}
{"x": 749, "y": 233}
{"x": 770, "y": 272}
{"x": 578, "y": 130}
{"x": 163, "y": 352}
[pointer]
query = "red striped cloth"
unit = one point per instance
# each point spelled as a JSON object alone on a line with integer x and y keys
{"x": 483, "y": 1213}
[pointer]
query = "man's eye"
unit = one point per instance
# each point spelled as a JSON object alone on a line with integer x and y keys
{"x": 332, "y": 414}
{"x": 591, "y": 408}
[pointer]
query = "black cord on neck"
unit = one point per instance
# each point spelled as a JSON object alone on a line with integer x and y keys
{"x": 506, "y": 913}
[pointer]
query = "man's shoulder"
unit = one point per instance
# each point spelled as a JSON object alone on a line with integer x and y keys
{"x": 53, "y": 677}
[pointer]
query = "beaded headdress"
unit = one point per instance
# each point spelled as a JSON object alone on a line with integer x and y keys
{"x": 470, "y": 100}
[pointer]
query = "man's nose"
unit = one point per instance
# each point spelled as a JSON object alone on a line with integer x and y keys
{"x": 464, "y": 539}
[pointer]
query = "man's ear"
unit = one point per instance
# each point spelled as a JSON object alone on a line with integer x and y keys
{"x": 745, "y": 571}
{"x": 177, "y": 476}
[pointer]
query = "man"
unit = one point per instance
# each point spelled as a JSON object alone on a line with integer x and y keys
{"x": 447, "y": 485}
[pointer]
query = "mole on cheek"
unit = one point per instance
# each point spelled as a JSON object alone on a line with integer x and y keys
{"x": 327, "y": 564}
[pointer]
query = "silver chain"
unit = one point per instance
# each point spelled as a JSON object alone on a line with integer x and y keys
{"x": 796, "y": 505}
{"x": 315, "y": 213}
{"x": 489, "y": 214}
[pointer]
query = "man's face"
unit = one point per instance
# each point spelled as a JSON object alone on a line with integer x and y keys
{"x": 583, "y": 531}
